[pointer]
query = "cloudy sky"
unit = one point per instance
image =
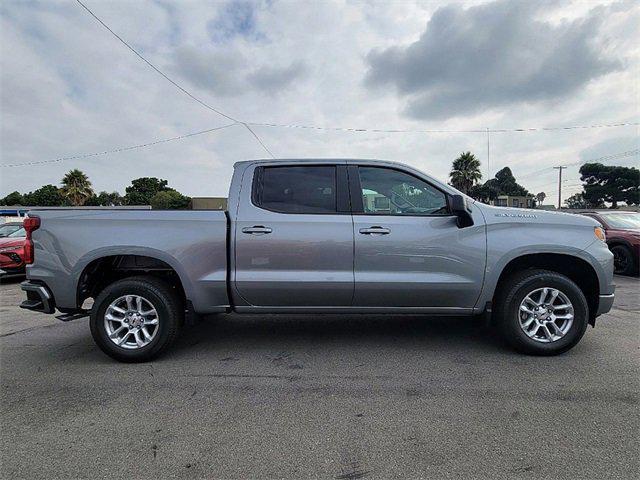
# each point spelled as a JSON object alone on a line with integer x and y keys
{"x": 68, "y": 87}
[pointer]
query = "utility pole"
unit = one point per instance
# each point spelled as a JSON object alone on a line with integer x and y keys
{"x": 560, "y": 168}
{"x": 488, "y": 164}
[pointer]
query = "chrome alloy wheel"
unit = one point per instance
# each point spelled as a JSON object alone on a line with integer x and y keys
{"x": 131, "y": 321}
{"x": 546, "y": 315}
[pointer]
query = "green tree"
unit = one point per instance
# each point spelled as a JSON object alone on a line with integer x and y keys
{"x": 465, "y": 172}
{"x": 504, "y": 183}
{"x": 14, "y": 198}
{"x": 45, "y": 196}
{"x": 577, "y": 200}
{"x": 610, "y": 183}
{"x": 540, "y": 197}
{"x": 170, "y": 200}
{"x": 142, "y": 190}
{"x": 76, "y": 187}
{"x": 106, "y": 199}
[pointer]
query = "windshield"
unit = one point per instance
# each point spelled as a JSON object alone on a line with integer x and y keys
{"x": 622, "y": 220}
{"x": 6, "y": 230}
{"x": 18, "y": 233}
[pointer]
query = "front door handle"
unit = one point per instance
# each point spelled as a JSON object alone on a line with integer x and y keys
{"x": 375, "y": 230}
{"x": 257, "y": 230}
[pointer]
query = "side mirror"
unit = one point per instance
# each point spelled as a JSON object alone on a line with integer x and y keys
{"x": 460, "y": 208}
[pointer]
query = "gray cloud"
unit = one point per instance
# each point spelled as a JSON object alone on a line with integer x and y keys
{"x": 272, "y": 80}
{"x": 214, "y": 71}
{"x": 226, "y": 72}
{"x": 489, "y": 56}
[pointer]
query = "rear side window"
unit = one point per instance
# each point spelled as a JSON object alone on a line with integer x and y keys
{"x": 298, "y": 189}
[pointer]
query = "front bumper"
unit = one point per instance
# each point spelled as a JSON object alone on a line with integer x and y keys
{"x": 605, "y": 303}
{"x": 39, "y": 297}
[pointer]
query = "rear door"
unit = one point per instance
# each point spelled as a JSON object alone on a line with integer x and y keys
{"x": 409, "y": 251}
{"x": 294, "y": 236}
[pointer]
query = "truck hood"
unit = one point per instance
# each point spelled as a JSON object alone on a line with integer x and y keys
{"x": 495, "y": 215}
{"x": 11, "y": 242}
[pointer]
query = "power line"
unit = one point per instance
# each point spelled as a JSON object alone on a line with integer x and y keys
{"x": 476, "y": 130}
{"x": 120, "y": 149}
{"x": 173, "y": 82}
{"x": 614, "y": 156}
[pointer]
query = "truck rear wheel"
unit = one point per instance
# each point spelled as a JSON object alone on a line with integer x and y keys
{"x": 136, "y": 319}
{"x": 541, "y": 312}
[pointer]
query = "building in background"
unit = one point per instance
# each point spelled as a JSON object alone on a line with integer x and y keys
{"x": 516, "y": 201}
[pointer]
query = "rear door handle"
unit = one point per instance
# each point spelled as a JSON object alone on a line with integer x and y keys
{"x": 375, "y": 230}
{"x": 257, "y": 230}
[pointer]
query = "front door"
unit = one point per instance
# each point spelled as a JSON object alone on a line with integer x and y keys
{"x": 409, "y": 251}
{"x": 294, "y": 237}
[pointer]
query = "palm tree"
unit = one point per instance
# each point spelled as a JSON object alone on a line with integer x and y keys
{"x": 540, "y": 197}
{"x": 76, "y": 187}
{"x": 465, "y": 172}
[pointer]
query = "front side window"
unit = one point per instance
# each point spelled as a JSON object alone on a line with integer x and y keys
{"x": 298, "y": 189}
{"x": 390, "y": 192}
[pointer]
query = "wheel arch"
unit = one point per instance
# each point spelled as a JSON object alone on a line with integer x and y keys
{"x": 105, "y": 267}
{"x": 575, "y": 268}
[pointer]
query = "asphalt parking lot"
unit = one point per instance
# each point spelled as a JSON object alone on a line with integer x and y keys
{"x": 340, "y": 397}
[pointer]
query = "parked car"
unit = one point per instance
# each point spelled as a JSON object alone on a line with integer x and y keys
{"x": 321, "y": 236}
{"x": 8, "y": 228}
{"x": 623, "y": 237}
{"x": 12, "y": 252}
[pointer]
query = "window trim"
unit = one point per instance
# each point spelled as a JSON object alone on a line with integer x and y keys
{"x": 356, "y": 199}
{"x": 343, "y": 206}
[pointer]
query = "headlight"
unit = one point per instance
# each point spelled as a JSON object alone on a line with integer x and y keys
{"x": 10, "y": 249}
{"x": 599, "y": 233}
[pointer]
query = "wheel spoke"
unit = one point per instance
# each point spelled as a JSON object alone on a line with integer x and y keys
{"x": 153, "y": 321}
{"x": 556, "y": 328}
{"x": 146, "y": 333}
{"x": 533, "y": 331}
{"x": 111, "y": 318}
{"x": 554, "y": 295}
{"x": 528, "y": 323}
{"x": 117, "y": 309}
{"x": 122, "y": 340}
{"x": 117, "y": 331}
{"x": 129, "y": 300}
{"x": 543, "y": 296}
{"x": 567, "y": 316}
{"x": 526, "y": 309}
{"x": 139, "y": 340}
{"x": 148, "y": 312}
{"x": 547, "y": 333}
{"x": 561, "y": 307}
{"x": 139, "y": 304}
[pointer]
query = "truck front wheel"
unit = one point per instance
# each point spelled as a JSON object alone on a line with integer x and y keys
{"x": 540, "y": 312}
{"x": 136, "y": 319}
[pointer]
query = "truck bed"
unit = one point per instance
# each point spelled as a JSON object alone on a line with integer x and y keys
{"x": 193, "y": 243}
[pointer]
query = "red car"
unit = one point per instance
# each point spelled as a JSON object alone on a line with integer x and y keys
{"x": 623, "y": 237}
{"x": 12, "y": 252}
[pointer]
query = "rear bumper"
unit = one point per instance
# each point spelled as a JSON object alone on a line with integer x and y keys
{"x": 39, "y": 297}
{"x": 605, "y": 303}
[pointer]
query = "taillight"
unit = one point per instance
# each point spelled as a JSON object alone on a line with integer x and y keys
{"x": 30, "y": 224}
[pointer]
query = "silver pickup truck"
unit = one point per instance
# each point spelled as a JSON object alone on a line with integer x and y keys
{"x": 321, "y": 236}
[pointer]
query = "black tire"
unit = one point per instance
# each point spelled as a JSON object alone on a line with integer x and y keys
{"x": 623, "y": 262}
{"x": 163, "y": 298}
{"x": 507, "y": 311}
